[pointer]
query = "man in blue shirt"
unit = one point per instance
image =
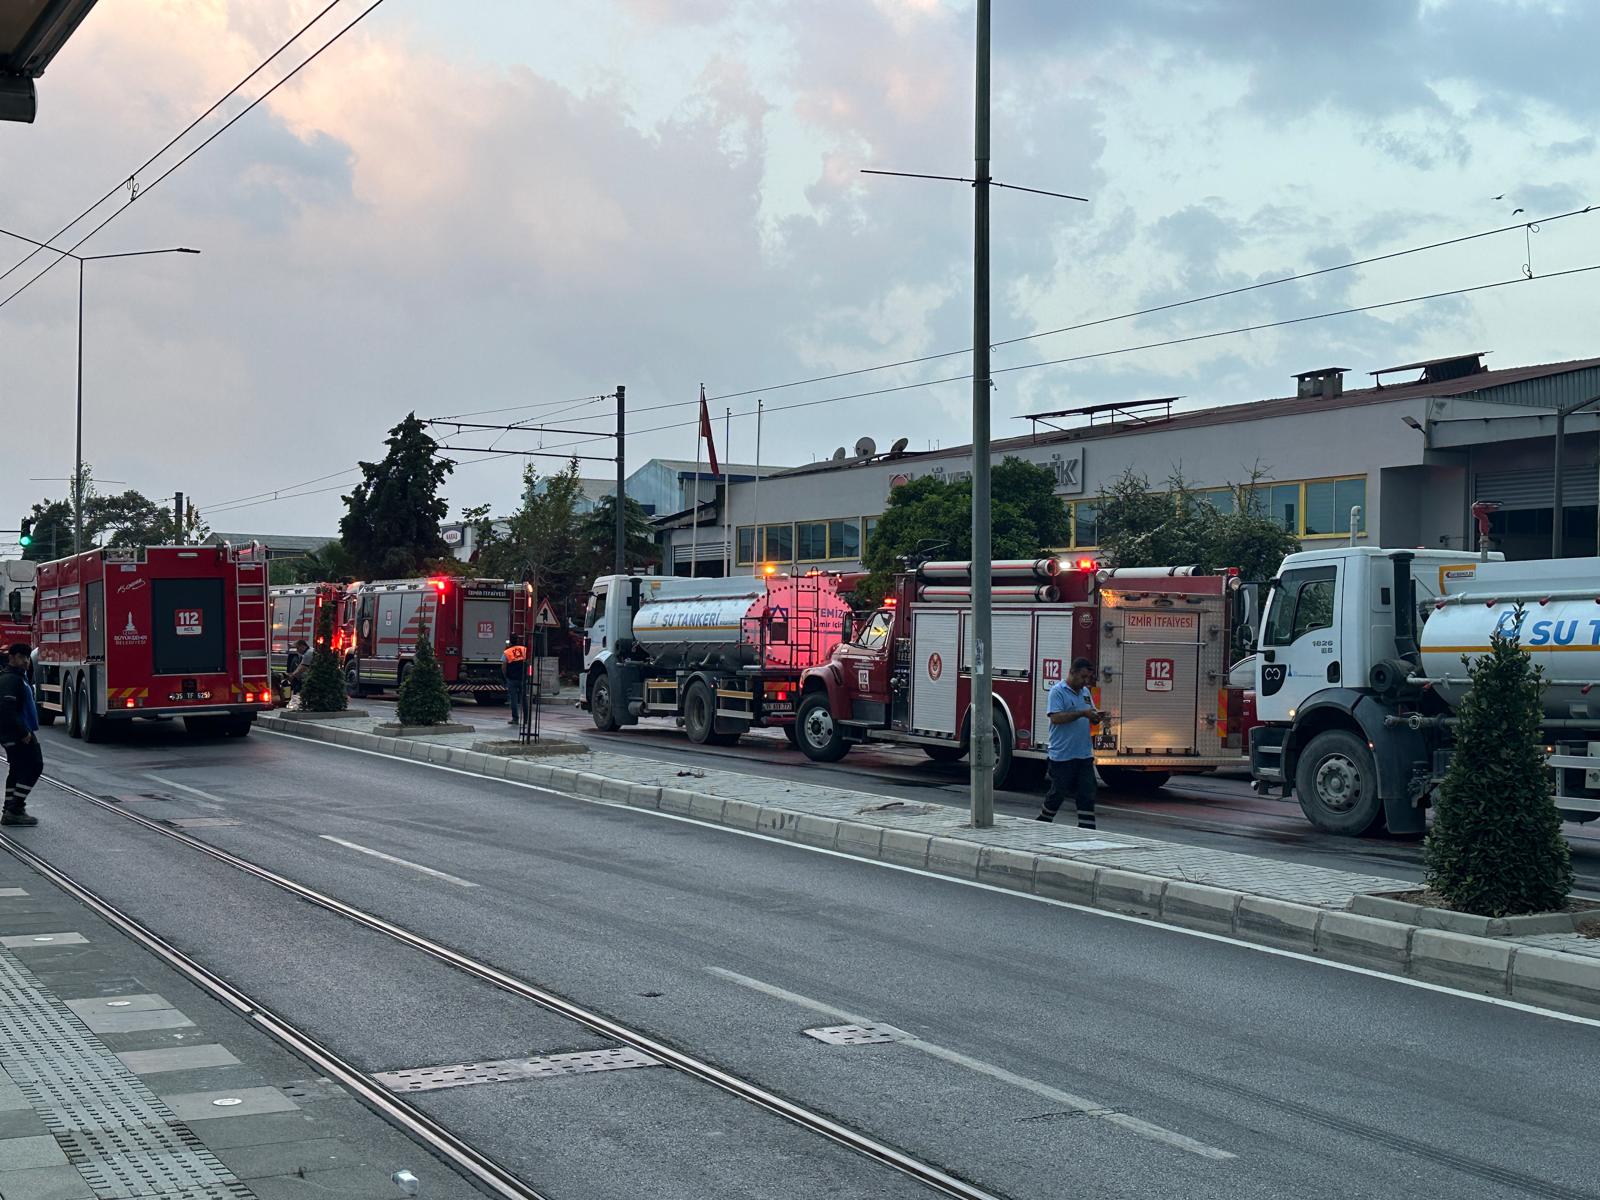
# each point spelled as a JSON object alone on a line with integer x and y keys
{"x": 1071, "y": 766}
{"x": 19, "y": 734}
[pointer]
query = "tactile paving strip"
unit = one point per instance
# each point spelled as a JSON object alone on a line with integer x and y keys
{"x": 123, "y": 1140}
{"x": 427, "y": 1079}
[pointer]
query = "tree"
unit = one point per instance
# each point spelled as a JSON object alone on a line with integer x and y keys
{"x": 541, "y": 543}
{"x": 423, "y": 698}
{"x": 392, "y": 527}
{"x": 323, "y": 690}
{"x": 329, "y": 564}
{"x": 1027, "y": 519}
{"x": 1496, "y": 848}
{"x": 52, "y": 531}
{"x": 597, "y": 537}
{"x": 1141, "y": 527}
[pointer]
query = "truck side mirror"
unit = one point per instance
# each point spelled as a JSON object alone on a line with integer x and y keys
{"x": 14, "y": 603}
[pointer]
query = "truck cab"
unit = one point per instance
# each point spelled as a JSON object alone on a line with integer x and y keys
{"x": 1334, "y": 634}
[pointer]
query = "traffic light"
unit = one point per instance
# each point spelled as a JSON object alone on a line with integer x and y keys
{"x": 25, "y": 539}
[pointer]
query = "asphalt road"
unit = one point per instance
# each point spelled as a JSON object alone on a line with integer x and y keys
{"x": 1217, "y": 811}
{"x": 1053, "y": 1052}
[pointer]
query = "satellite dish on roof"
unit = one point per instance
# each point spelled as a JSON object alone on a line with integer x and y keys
{"x": 899, "y": 446}
{"x": 839, "y": 454}
{"x": 866, "y": 447}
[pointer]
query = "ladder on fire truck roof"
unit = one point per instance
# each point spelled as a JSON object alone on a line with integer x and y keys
{"x": 253, "y": 620}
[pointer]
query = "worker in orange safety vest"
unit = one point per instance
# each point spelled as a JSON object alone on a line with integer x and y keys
{"x": 516, "y": 667}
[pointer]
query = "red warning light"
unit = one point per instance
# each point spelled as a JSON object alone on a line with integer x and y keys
{"x": 1087, "y": 564}
{"x": 890, "y": 602}
{"x": 440, "y": 584}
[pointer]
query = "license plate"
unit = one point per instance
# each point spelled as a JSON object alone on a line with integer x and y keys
{"x": 779, "y": 706}
{"x": 188, "y": 695}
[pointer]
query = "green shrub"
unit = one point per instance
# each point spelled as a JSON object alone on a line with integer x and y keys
{"x": 1496, "y": 847}
{"x": 323, "y": 689}
{"x": 424, "y": 699}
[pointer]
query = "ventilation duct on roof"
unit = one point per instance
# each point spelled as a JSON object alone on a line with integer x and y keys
{"x": 1324, "y": 383}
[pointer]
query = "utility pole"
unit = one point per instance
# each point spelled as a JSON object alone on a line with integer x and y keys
{"x": 981, "y": 754}
{"x": 622, "y": 472}
{"x": 77, "y": 473}
{"x": 177, "y": 518}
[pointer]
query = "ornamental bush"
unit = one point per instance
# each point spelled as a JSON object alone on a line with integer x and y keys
{"x": 323, "y": 689}
{"x": 424, "y": 698}
{"x": 1496, "y": 847}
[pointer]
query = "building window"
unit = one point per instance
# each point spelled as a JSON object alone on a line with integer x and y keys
{"x": 812, "y": 539}
{"x": 768, "y": 543}
{"x": 1085, "y": 525}
{"x": 869, "y": 526}
{"x": 844, "y": 539}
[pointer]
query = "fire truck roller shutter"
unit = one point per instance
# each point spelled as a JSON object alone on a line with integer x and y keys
{"x": 190, "y": 634}
{"x": 1053, "y": 642}
{"x": 486, "y": 624}
{"x": 1010, "y": 643}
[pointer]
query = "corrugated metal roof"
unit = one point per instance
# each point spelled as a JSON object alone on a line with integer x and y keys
{"x": 1544, "y": 385}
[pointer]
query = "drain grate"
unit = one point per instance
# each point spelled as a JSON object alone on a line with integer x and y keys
{"x": 427, "y": 1079}
{"x": 870, "y": 1034}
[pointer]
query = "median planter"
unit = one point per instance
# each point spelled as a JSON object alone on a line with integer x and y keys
{"x": 300, "y": 714}
{"x": 544, "y": 747}
{"x": 395, "y": 729}
{"x": 1426, "y": 910}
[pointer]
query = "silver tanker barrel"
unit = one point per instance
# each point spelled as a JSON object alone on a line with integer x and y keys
{"x": 1560, "y": 628}
{"x": 779, "y": 621}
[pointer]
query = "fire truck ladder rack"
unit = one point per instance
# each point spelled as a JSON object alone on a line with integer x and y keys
{"x": 254, "y": 624}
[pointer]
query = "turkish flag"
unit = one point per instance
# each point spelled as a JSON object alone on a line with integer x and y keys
{"x": 705, "y": 432}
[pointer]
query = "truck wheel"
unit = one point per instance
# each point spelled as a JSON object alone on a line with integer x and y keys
{"x": 1003, "y": 757}
{"x": 945, "y": 754}
{"x": 92, "y": 723}
{"x": 69, "y": 703}
{"x": 820, "y": 736}
{"x": 203, "y": 727}
{"x": 600, "y": 706}
{"x": 240, "y": 725}
{"x": 352, "y": 683}
{"x": 700, "y": 714}
{"x": 1336, "y": 783}
{"x": 1133, "y": 779}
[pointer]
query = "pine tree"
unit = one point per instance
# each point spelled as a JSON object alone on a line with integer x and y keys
{"x": 424, "y": 699}
{"x": 1496, "y": 847}
{"x": 392, "y": 527}
{"x": 323, "y": 690}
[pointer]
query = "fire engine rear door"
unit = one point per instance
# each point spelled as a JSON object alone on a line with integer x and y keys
{"x": 1160, "y": 680}
{"x": 1053, "y": 659}
{"x": 190, "y": 631}
{"x": 934, "y": 646}
{"x": 485, "y": 626}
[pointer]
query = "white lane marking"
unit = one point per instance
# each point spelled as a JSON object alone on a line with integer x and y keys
{"x": 61, "y": 743}
{"x": 184, "y": 787}
{"x": 1200, "y": 934}
{"x": 399, "y": 862}
{"x": 1080, "y": 1104}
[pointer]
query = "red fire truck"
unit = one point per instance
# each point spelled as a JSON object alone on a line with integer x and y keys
{"x": 1160, "y": 639}
{"x": 16, "y": 601}
{"x": 471, "y": 622}
{"x": 295, "y": 609}
{"x": 163, "y": 631}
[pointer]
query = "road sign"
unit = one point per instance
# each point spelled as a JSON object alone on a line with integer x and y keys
{"x": 547, "y": 615}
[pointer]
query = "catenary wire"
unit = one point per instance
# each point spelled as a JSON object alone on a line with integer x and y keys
{"x": 356, "y": 20}
{"x": 1142, "y": 312}
{"x": 223, "y": 99}
{"x": 1178, "y": 341}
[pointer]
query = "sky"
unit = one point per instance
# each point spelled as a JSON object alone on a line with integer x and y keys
{"x": 523, "y": 207}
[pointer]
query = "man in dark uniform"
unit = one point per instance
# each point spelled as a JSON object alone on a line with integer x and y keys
{"x": 19, "y": 733}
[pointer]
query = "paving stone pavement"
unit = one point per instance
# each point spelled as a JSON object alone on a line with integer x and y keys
{"x": 118, "y": 1079}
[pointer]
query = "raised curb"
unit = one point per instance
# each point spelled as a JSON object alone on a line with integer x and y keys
{"x": 1492, "y": 966}
{"x": 1427, "y": 917}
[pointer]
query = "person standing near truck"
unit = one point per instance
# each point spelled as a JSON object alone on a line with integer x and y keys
{"x": 1071, "y": 766}
{"x": 516, "y": 668}
{"x": 19, "y": 733}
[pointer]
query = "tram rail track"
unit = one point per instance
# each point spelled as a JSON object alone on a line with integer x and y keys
{"x": 493, "y": 1177}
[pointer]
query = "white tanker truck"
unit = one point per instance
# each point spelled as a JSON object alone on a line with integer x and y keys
{"x": 720, "y": 655}
{"x": 1359, "y": 670}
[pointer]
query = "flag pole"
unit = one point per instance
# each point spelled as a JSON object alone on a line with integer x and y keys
{"x": 755, "y": 517}
{"x": 727, "y": 492}
{"x": 694, "y": 513}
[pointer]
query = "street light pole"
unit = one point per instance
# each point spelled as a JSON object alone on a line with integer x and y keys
{"x": 981, "y": 754}
{"x": 77, "y": 474}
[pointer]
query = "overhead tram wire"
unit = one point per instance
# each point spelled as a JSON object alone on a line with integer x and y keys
{"x": 143, "y": 191}
{"x": 223, "y": 99}
{"x": 1225, "y": 294}
{"x": 1178, "y": 341}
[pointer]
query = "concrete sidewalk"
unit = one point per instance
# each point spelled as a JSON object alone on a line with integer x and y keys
{"x": 118, "y": 1078}
{"x": 1268, "y": 901}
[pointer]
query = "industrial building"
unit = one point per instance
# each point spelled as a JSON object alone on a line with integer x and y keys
{"x": 1413, "y": 450}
